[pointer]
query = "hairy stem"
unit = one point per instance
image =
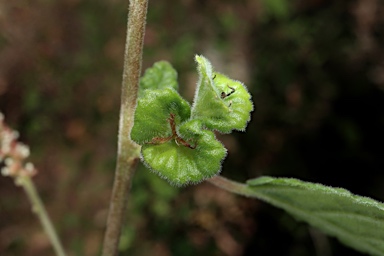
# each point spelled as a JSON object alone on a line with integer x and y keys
{"x": 231, "y": 186}
{"x": 38, "y": 208}
{"x": 128, "y": 151}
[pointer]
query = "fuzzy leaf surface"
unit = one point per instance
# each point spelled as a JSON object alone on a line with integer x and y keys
{"x": 153, "y": 112}
{"x": 355, "y": 220}
{"x": 161, "y": 75}
{"x": 181, "y": 165}
{"x": 220, "y": 103}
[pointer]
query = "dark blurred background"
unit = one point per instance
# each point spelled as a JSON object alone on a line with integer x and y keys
{"x": 315, "y": 69}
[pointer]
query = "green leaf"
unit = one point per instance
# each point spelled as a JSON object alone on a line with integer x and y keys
{"x": 161, "y": 75}
{"x": 177, "y": 144}
{"x": 220, "y": 103}
{"x": 355, "y": 220}
{"x": 152, "y": 114}
{"x": 183, "y": 165}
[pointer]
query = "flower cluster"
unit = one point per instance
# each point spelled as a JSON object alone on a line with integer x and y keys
{"x": 13, "y": 153}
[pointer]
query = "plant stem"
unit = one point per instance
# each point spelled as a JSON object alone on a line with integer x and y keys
{"x": 38, "y": 208}
{"x": 128, "y": 151}
{"x": 231, "y": 186}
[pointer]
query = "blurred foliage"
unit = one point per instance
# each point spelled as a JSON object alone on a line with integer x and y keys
{"x": 315, "y": 69}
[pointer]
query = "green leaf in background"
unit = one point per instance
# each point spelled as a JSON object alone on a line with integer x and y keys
{"x": 183, "y": 165}
{"x": 279, "y": 9}
{"x": 221, "y": 103}
{"x": 153, "y": 113}
{"x": 355, "y": 220}
{"x": 161, "y": 75}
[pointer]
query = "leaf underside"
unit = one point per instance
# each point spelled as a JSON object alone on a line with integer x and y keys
{"x": 355, "y": 220}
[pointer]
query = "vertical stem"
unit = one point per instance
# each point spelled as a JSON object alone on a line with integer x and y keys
{"x": 128, "y": 151}
{"x": 38, "y": 208}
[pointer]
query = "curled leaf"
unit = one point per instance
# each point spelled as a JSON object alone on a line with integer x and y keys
{"x": 177, "y": 144}
{"x": 181, "y": 164}
{"x": 153, "y": 112}
{"x": 161, "y": 75}
{"x": 220, "y": 103}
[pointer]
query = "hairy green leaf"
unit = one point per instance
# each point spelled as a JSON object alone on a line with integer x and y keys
{"x": 220, "y": 103}
{"x": 355, "y": 220}
{"x": 153, "y": 113}
{"x": 197, "y": 157}
{"x": 177, "y": 145}
{"x": 161, "y": 75}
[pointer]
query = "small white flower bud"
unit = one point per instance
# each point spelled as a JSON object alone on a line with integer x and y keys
{"x": 22, "y": 150}
{"x": 5, "y": 171}
{"x": 8, "y": 161}
{"x": 15, "y": 135}
{"x": 29, "y": 167}
{"x": 5, "y": 148}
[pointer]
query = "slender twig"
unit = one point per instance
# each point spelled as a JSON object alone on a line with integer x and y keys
{"x": 14, "y": 154}
{"x": 38, "y": 208}
{"x": 128, "y": 151}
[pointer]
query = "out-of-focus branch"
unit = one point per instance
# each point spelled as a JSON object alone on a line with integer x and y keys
{"x": 14, "y": 153}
